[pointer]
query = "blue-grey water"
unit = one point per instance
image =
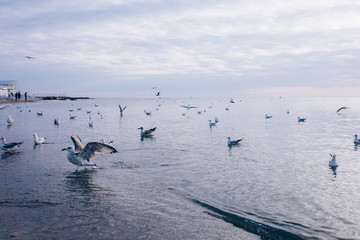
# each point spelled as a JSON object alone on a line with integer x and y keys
{"x": 185, "y": 183}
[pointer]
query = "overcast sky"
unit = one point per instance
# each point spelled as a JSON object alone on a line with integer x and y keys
{"x": 185, "y": 47}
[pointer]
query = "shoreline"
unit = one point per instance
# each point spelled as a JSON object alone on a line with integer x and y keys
{"x": 12, "y": 101}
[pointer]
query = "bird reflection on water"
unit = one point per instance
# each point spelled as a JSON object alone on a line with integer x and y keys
{"x": 6, "y": 155}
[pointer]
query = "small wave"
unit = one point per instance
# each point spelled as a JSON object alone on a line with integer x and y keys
{"x": 27, "y": 204}
{"x": 260, "y": 229}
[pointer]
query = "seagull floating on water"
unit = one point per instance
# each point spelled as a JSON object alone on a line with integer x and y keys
{"x": 301, "y": 119}
{"x": 146, "y": 133}
{"x": 72, "y": 117}
{"x": 233, "y": 142}
{"x": 158, "y": 94}
{"x": 38, "y": 140}
{"x": 10, "y": 121}
{"x": 232, "y": 100}
{"x": 82, "y": 156}
{"x": 56, "y": 121}
{"x": 333, "y": 162}
{"x": 147, "y": 113}
{"x": 109, "y": 143}
{"x": 40, "y": 113}
{"x": 122, "y": 110}
{"x": 267, "y": 116}
{"x": 91, "y": 124}
{"x": 29, "y": 57}
{"x": 8, "y": 146}
{"x": 212, "y": 124}
{"x": 356, "y": 140}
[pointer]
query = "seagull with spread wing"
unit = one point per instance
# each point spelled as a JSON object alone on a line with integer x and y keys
{"x": 82, "y": 156}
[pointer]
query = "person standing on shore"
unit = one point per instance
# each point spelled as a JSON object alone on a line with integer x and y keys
{"x": 25, "y": 96}
{"x": 16, "y": 96}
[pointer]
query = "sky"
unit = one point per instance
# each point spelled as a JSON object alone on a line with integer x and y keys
{"x": 185, "y": 48}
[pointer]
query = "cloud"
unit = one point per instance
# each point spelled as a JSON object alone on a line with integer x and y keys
{"x": 268, "y": 43}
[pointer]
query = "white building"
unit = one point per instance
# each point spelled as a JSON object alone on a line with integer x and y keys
{"x": 7, "y": 88}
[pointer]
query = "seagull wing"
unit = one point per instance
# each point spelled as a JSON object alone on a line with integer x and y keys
{"x": 77, "y": 142}
{"x": 147, "y": 132}
{"x": 11, "y": 145}
{"x": 95, "y": 147}
{"x": 342, "y": 109}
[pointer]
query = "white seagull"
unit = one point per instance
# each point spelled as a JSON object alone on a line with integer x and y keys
{"x": 82, "y": 156}
{"x": 38, "y": 140}
{"x": 7, "y": 146}
{"x": 233, "y": 142}
{"x": 232, "y": 100}
{"x": 10, "y": 121}
{"x": 356, "y": 140}
{"x": 146, "y": 133}
{"x": 333, "y": 162}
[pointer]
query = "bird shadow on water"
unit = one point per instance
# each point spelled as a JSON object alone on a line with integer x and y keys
{"x": 151, "y": 138}
{"x": 6, "y": 155}
{"x": 333, "y": 169}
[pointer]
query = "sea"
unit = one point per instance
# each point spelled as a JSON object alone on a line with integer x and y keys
{"x": 185, "y": 182}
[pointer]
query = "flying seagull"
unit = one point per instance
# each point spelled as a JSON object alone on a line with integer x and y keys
{"x": 146, "y": 133}
{"x": 82, "y": 156}
{"x": 233, "y": 142}
{"x": 38, "y": 140}
{"x": 29, "y": 57}
{"x": 158, "y": 94}
{"x": 341, "y": 109}
{"x": 7, "y": 146}
{"x": 188, "y": 107}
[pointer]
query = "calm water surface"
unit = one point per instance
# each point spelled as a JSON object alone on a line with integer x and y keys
{"x": 185, "y": 183}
